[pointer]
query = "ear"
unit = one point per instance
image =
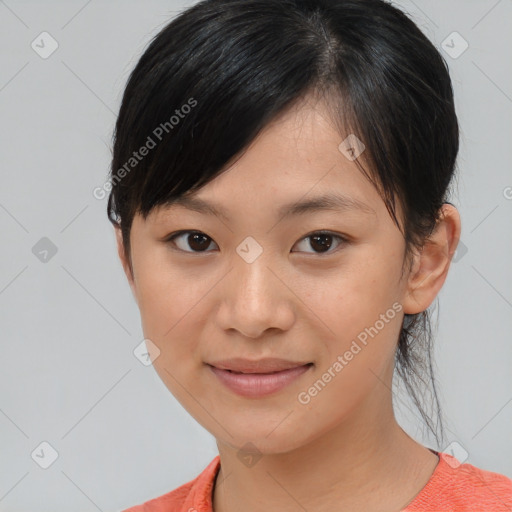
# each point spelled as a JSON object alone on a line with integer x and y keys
{"x": 431, "y": 264}
{"x": 124, "y": 260}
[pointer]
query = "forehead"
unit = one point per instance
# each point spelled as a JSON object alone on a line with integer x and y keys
{"x": 296, "y": 165}
{"x": 327, "y": 202}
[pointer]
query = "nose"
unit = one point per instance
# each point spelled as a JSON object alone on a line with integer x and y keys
{"x": 255, "y": 299}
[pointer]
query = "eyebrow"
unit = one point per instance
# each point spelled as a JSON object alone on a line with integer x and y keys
{"x": 325, "y": 202}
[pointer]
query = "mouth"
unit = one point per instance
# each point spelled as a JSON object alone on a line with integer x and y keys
{"x": 258, "y": 384}
{"x": 258, "y": 373}
{"x": 261, "y": 366}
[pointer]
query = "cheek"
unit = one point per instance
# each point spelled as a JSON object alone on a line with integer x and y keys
{"x": 172, "y": 315}
{"x": 170, "y": 305}
{"x": 361, "y": 314}
{"x": 353, "y": 296}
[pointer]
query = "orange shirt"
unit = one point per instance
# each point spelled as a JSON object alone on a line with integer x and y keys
{"x": 453, "y": 487}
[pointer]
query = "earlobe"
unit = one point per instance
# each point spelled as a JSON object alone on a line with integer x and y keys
{"x": 431, "y": 264}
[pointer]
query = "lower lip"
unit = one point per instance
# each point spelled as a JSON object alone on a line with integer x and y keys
{"x": 255, "y": 385}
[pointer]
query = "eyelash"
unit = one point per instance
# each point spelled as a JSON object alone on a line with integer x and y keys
{"x": 342, "y": 239}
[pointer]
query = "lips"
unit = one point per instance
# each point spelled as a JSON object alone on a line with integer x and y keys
{"x": 263, "y": 366}
{"x": 258, "y": 384}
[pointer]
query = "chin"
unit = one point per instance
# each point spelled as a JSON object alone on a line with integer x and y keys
{"x": 259, "y": 437}
{"x": 258, "y": 446}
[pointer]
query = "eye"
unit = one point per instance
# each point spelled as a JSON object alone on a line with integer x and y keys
{"x": 195, "y": 239}
{"x": 320, "y": 241}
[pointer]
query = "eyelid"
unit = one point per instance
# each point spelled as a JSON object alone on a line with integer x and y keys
{"x": 343, "y": 240}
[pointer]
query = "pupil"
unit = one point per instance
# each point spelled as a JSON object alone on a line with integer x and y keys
{"x": 195, "y": 237}
{"x": 323, "y": 245}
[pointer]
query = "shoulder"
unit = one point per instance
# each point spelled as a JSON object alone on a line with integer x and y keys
{"x": 463, "y": 487}
{"x": 195, "y": 495}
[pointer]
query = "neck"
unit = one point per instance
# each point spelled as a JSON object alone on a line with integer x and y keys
{"x": 365, "y": 463}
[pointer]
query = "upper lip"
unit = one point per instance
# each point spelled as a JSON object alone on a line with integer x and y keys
{"x": 266, "y": 365}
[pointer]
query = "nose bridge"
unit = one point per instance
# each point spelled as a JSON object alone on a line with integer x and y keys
{"x": 253, "y": 282}
{"x": 253, "y": 299}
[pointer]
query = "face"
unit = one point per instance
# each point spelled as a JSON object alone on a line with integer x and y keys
{"x": 256, "y": 284}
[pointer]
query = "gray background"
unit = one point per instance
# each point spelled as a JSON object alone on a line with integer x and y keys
{"x": 69, "y": 324}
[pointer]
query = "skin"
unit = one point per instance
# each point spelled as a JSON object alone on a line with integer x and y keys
{"x": 344, "y": 448}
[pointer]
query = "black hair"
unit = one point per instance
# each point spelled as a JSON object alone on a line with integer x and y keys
{"x": 221, "y": 70}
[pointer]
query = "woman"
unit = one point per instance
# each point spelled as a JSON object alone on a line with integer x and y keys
{"x": 280, "y": 183}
